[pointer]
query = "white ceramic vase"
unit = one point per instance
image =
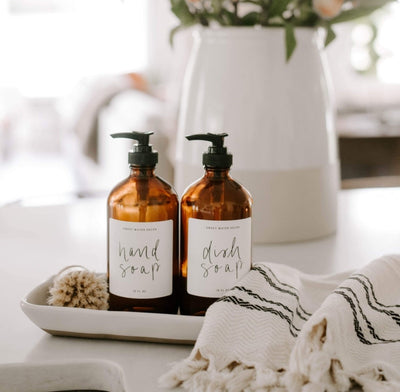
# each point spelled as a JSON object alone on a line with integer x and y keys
{"x": 280, "y": 121}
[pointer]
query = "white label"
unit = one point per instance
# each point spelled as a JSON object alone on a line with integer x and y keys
{"x": 140, "y": 257}
{"x": 219, "y": 254}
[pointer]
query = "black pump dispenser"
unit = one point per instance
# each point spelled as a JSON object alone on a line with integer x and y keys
{"x": 217, "y": 156}
{"x": 142, "y": 153}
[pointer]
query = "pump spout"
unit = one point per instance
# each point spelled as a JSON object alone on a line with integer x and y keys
{"x": 217, "y": 139}
{"x": 142, "y": 153}
{"x": 217, "y": 155}
{"x": 143, "y": 138}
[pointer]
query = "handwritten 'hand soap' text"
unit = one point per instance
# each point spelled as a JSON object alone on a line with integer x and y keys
{"x": 141, "y": 260}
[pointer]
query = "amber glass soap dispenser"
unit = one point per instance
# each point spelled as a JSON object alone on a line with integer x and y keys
{"x": 215, "y": 231}
{"x": 143, "y": 261}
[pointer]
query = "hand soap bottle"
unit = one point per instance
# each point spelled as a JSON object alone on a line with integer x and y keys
{"x": 215, "y": 231}
{"x": 143, "y": 261}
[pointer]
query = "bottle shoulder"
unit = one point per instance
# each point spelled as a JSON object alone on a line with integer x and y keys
{"x": 166, "y": 185}
{"x": 228, "y": 189}
{"x": 143, "y": 188}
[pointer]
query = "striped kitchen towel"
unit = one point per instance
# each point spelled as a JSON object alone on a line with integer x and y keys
{"x": 282, "y": 330}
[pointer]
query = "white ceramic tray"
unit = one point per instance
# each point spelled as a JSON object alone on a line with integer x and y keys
{"x": 103, "y": 324}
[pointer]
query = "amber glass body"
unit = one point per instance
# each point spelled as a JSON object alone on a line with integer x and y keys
{"x": 216, "y": 196}
{"x": 144, "y": 197}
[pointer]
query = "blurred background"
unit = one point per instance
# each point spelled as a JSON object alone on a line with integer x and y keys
{"x": 72, "y": 72}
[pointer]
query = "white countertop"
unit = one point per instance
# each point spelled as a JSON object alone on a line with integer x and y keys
{"x": 36, "y": 242}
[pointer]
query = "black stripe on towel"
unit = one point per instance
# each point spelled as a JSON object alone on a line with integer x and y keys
{"x": 393, "y": 315}
{"x": 251, "y": 293}
{"x": 356, "y": 322}
{"x": 371, "y": 286}
{"x": 272, "y": 284}
{"x": 248, "y": 305}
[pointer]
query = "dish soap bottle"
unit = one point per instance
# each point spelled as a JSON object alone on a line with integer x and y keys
{"x": 143, "y": 261}
{"x": 215, "y": 230}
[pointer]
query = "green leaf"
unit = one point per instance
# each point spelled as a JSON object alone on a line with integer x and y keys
{"x": 290, "y": 40}
{"x": 172, "y": 34}
{"x": 353, "y": 13}
{"x": 255, "y": 2}
{"x": 224, "y": 18}
{"x": 182, "y": 11}
{"x": 330, "y": 35}
{"x": 277, "y": 7}
{"x": 217, "y": 6}
{"x": 203, "y": 18}
{"x": 250, "y": 19}
{"x": 306, "y": 15}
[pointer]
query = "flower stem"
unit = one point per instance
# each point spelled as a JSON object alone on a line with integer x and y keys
{"x": 235, "y": 4}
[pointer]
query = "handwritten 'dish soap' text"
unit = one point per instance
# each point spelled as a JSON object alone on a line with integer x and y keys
{"x": 219, "y": 260}
{"x": 142, "y": 260}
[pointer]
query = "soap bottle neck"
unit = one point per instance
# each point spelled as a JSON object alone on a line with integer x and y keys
{"x": 142, "y": 171}
{"x": 216, "y": 173}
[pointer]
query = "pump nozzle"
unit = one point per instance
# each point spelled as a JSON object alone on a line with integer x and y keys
{"x": 142, "y": 154}
{"x": 217, "y": 139}
{"x": 217, "y": 155}
{"x": 143, "y": 138}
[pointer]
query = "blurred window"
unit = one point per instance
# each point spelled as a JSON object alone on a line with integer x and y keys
{"x": 48, "y": 45}
{"x": 376, "y": 48}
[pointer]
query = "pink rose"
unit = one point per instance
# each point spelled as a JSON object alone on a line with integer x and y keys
{"x": 327, "y": 8}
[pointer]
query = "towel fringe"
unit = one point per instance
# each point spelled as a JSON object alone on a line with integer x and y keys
{"x": 313, "y": 368}
{"x": 197, "y": 374}
{"x": 183, "y": 371}
{"x": 335, "y": 379}
{"x": 377, "y": 379}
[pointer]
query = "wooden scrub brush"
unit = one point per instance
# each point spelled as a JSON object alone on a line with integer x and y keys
{"x": 77, "y": 287}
